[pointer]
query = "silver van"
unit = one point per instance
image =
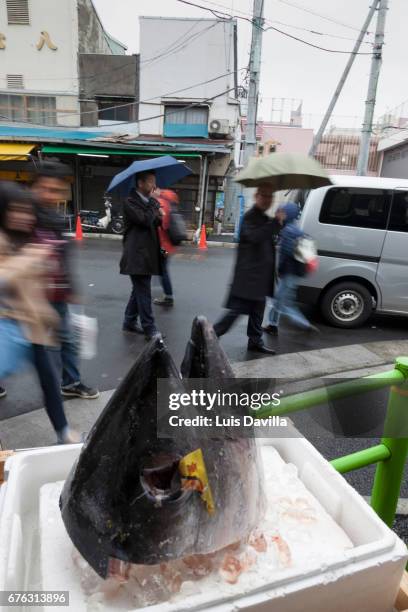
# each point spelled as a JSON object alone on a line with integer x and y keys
{"x": 360, "y": 225}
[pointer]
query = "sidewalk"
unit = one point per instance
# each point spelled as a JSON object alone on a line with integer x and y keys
{"x": 301, "y": 369}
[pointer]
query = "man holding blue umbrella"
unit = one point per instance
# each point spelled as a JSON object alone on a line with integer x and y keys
{"x": 141, "y": 253}
{"x": 141, "y": 246}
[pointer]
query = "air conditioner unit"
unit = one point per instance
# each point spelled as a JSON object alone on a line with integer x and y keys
{"x": 219, "y": 127}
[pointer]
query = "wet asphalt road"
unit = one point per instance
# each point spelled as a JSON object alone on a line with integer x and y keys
{"x": 200, "y": 283}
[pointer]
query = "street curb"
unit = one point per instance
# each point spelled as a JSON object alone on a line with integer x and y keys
{"x": 33, "y": 428}
{"x": 210, "y": 243}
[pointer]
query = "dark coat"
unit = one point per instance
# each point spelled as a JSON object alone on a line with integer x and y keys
{"x": 141, "y": 245}
{"x": 254, "y": 273}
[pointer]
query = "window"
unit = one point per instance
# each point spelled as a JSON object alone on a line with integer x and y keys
{"x": 15, "y": 81}
{"x": 355, "y": 207}
{"x": 41, "y": 109}
{"x": 35, "y": 109}
{"x": 181, "y": 121}
{"x": 17, "y": 12}
{"x": 115, "y": 110}
{"x": 399, "y": 212}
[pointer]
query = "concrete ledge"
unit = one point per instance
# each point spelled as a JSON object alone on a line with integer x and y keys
{"x": 301, "y": 371}
{"x": 309, "y": 364}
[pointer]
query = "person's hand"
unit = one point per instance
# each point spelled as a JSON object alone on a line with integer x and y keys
{"x": 280, "y": 216}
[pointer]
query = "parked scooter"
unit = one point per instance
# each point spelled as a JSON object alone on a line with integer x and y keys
{"x": 91, "y": 219}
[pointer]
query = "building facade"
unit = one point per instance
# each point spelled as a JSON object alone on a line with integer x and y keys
{"x": 188, "y": 94}
{"x": 394, "y": 155}
{"x": 338, "y": 152}
{"x": 42, "y": 75}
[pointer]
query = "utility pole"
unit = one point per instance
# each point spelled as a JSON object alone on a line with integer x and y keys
{"x": 343, "y": 79}
{"x": 376, "y": 62}
{"x": 254, "y": 73}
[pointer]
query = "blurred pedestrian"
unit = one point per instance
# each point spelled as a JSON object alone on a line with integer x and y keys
{"x": 254, "y": 271}
{"x": 27, "y": 321}
{"x": 51, "y": 186}
{"x": 290, "y": 272}
{"x": 167, "y": 200}
{"x": 141, "y": 257}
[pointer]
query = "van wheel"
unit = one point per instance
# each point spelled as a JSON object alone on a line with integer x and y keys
{"x": 347, "y": 305}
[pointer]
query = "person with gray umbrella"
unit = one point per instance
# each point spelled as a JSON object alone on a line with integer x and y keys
{"x": 253, "y": 278}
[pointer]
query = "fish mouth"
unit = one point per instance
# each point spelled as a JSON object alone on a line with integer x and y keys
{"x": 161, "y": 480}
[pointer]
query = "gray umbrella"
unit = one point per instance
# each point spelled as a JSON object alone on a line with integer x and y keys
{"x": 284, "y": 171}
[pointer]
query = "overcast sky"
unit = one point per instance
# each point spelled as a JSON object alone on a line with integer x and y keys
{"x": 291, "y": 69}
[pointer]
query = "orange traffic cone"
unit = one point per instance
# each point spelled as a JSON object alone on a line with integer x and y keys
{"x": 78, "y": 231}
{"x": 202, "y": 245}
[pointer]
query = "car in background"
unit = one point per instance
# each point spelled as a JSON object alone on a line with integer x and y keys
{"x": 360, "y": 225}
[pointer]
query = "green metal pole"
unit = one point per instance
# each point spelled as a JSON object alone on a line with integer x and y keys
{"x": 317, "y": 397}
{"x": 389, "y": 473}
{"x": 361, "y": 459}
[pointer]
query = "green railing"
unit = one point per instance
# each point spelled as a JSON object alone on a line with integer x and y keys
{"x": 390, "y": 455}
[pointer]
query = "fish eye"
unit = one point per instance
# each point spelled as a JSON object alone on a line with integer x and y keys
{"x": 161, "y": 481}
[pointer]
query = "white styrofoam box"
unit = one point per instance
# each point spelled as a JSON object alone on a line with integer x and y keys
{"x": 365, "y": 578}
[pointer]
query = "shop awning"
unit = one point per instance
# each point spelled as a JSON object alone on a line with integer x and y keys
{"x": 10, "y": 151}
{"x": 95, "y": 151}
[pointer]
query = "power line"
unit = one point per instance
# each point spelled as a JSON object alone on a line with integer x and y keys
{"x": 181, "y": 45}
{"x": 309, "y": 44}
{"x": 80, "y": 78}
{"x": 167, "y": 52}
{"x": 165, "y": 49}
{"x": 306, "y": 10}
{"x": 288, "y": 25}
{"x": 206, "y": 8}
{"x": 301, "y": 40}
{"x": 192, "y": 105}
{"x": 170, "y": 93}
{"x": 316, "y": 32}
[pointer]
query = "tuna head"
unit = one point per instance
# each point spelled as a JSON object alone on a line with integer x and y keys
{"x": 204, "y": 357}
{"x": 128, "y": 496}
{"x": 233, "y": 463}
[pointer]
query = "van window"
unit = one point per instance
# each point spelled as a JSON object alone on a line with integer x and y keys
{"x": 399, "y": 212}
{"x": 355, "y": 207}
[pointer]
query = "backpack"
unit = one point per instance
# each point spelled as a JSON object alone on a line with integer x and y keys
{"x": 305, "y": 256}
{"x": 177, "y": 230}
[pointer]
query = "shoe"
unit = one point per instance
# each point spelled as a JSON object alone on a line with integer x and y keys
{"x": 3, "y": 392}
{"x": 164, "y": 301}
{"x": 260, "y": 347}
{"x": 153, "y": 336}
{"x": 70, "y": 436}
{"x": 272, "y": 330}
{"x": 134, "y": 328}
{"x": 80, "y": 390}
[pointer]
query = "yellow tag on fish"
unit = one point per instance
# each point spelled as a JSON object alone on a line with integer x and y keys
{"x": 194, "y": 476}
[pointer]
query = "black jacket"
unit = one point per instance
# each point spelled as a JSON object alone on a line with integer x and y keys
{"x": 254, "y": 273}
{"x": 141, "y": 245}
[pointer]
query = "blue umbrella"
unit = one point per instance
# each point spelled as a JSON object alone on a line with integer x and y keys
{"x": 167, "y": 169}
